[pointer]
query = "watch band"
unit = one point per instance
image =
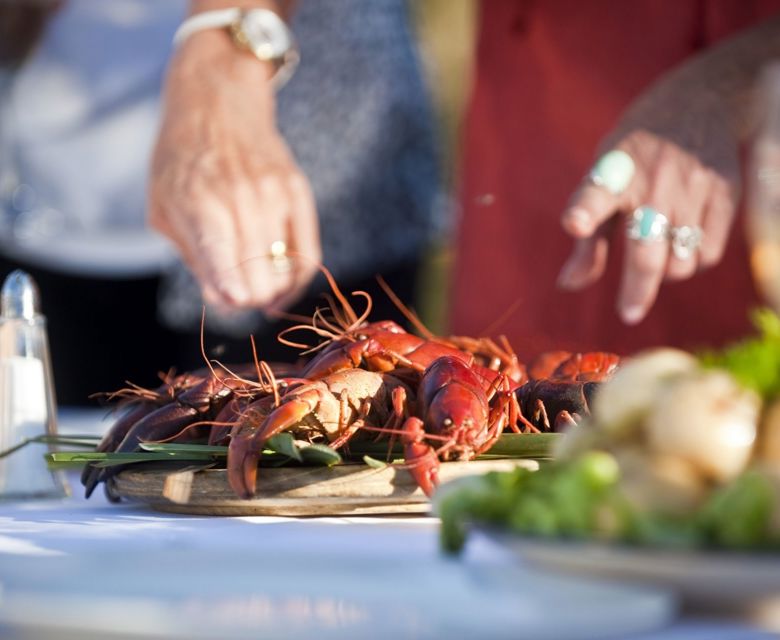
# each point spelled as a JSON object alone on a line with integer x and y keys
{"x": 220, "y": 18}
{"x": 205, "y": 20}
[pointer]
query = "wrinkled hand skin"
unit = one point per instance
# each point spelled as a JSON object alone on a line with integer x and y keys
{"x": 683, "y": 134}
{"x": 223, "y": 183}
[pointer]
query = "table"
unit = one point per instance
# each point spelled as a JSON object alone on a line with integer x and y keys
{"x": 74, "y": 568}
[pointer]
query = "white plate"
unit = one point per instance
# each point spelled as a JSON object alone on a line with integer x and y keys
{"x": 713, "y": 581}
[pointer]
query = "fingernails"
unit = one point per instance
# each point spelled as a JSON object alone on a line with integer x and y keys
{"x": 632, "y": 314}
{"x": 578, "y": 221}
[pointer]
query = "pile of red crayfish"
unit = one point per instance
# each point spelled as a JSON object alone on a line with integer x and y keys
{"x": 443, "y": 398}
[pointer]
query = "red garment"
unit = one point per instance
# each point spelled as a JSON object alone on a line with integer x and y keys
{"x": 552, "y": 78}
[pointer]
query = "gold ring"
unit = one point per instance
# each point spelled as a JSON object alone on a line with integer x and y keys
{"x": 280, "y": 261}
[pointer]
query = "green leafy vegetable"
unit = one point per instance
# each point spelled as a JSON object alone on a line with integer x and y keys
{"x": 754, "y": 361}
{"x": 740, "y": 514}
{"x": 582, "y": 498}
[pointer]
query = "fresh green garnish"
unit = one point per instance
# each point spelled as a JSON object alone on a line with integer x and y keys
{"x": 740, "y": 514}
{"x": 754, "y": 361}
{"x": 560, "y": 499}
{"x": 280, "y": 449}
{"x": 581, "y": 498}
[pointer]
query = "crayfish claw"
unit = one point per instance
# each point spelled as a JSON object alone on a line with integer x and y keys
{"x": 90, "y": 479}
{"x": 242, "y": 465}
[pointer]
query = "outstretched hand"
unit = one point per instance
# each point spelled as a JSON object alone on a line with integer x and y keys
{"x": 224, "y": 186}
{"x": 686, "y": 167}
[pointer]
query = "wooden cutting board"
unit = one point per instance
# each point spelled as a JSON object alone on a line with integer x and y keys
{"x": 345, "y": 489}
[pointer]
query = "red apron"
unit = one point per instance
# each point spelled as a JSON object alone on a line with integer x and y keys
{"x": 552, "y": 78}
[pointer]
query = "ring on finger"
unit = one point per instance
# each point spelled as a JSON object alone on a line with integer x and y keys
{"x": 613, "y": 171}
{"x": 685, "y": 240}
{"x": 647, "y": 225}
{"x": 280, "y": 261}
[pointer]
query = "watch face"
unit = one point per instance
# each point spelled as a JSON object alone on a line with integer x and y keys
{"x": 266, "y": 34}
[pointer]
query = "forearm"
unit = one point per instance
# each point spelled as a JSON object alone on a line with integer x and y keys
{"x": 720, "y": 80}
{"x": 211, "y": 57}
{"x": 732, "y": 70}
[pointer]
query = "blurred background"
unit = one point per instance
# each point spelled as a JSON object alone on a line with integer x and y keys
{"x": 446, "y": 32}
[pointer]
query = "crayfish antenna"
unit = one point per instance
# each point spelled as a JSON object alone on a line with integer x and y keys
{"x": 341, "y": 321}
{"x": 493, "y": 326}
{"x": 408, "y": 313}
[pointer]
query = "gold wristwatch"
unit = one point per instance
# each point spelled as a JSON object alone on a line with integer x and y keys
{"x": 259, "y": 31}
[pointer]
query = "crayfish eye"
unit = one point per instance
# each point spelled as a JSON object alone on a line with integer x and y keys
{"x": 447, "y": 422}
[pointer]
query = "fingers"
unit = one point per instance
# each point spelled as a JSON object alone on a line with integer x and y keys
{"x": 587, "y": 261}
{"x": 262, "y": 221}
{"x": 678, "y": 197}
{"x": 205, "y": 234}
{"x": 696, "y": 202}
{"x": 688, "y": 201}
{"x": 644, "y": 264}
{"x": 224, "y": 234}
{"x": 592, "y": 205}
{"x": 305, "y": 247}
{"x": 717, "y": 217}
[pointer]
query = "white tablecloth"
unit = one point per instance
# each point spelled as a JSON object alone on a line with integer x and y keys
{"x": 73, "y": 568}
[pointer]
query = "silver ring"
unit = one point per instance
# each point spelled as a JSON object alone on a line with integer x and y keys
{"x": 280, "y": 261}
{"x": 647, "y": 225}
{"x": 685, "y": 240}
{"x": 613, "y": 171}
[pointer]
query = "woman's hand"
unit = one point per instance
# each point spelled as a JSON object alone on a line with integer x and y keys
{"x": 224, "y": 186}
{"x": 683, "y": 135}
{"x": 683, "y": 140}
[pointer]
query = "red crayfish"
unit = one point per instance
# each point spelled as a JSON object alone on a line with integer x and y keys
{"x": 446, "y": 398}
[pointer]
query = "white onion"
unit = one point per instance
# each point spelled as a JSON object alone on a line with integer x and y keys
{"x": 708, "y": 419}
{"x": 621, "y": 403}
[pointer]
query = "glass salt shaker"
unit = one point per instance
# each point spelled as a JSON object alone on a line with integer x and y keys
{"x": 27, "y": 403}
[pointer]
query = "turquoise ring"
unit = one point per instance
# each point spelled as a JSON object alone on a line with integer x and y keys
{"x": 647, "y": 225}
{"x": 613, "y": 171}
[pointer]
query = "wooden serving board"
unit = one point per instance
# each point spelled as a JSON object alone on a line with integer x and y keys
{"x": 345, "y": 489}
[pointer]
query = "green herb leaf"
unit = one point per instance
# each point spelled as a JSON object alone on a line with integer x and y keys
{"x": 524, "y": 445}
{"x": 374, "y": 463}
{"x": 285, "y": 444}
{"x": 755, "y": 361}
{"x": 172, "y": 447}
{"x": 87, "y": 442}
{"x": 320, "y": 454}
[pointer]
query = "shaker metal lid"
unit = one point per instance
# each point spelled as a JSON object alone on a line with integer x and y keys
{"x": 19, "y": 297}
